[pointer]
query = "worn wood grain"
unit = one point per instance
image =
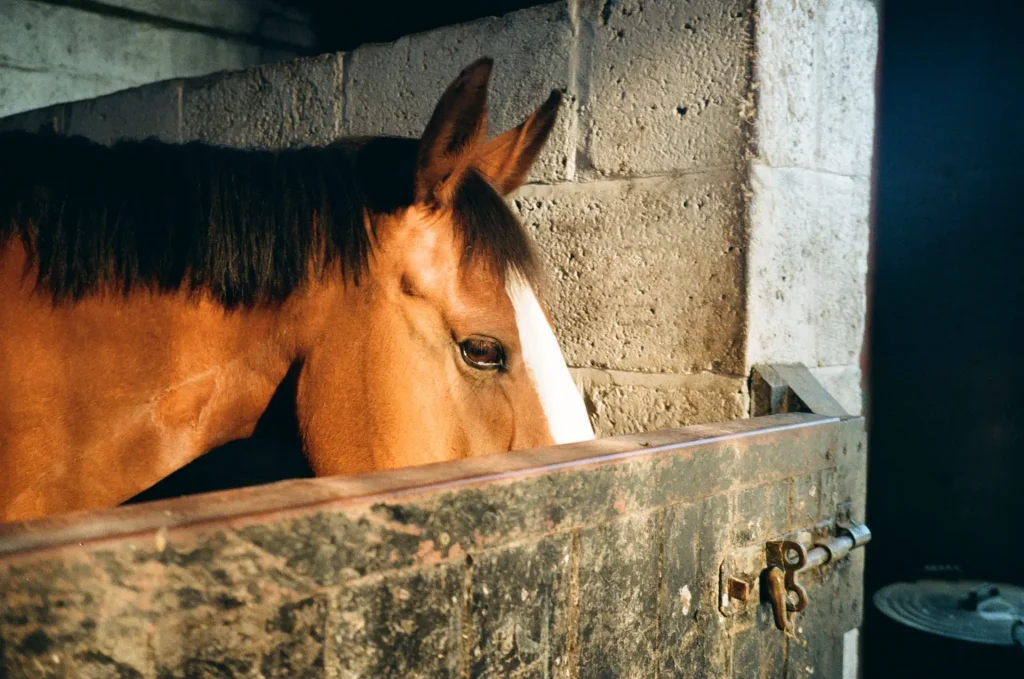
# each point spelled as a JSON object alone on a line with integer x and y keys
{"x": 595, "y": 560}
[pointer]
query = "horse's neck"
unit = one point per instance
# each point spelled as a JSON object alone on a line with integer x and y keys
{"x": 109, "y": 395}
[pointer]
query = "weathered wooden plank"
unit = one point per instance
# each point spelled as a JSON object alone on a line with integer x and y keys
{"x": 279, "y": 640}
{"x": 812, "y": 645}
{"x": 692, "y": 631}
{"x": 679, "y": 638}
{"x": 607, "y": 565}
{"x": 761, "y": 511}
{"x": 758, "y": 652}
{"x": 619, "y": 573}
{"x": 406, "y": 624}
{"x": 806, "y": 500}
{"x": 763, "y": 460}
{"x": 519, "y": 612}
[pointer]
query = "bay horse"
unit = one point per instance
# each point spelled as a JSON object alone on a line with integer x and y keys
{"x": 153, "y": 297}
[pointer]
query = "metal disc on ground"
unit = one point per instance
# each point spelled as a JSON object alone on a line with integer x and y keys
{"x": 981, "y": 612}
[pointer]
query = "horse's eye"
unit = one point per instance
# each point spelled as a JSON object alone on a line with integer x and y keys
{"x": 483, "y": 353}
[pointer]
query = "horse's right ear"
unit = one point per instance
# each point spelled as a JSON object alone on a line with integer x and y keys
{"x": 458, "y": 125}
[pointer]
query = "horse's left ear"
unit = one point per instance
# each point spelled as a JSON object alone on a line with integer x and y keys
{"x": 455, "y": 130}
{"x": 506, "y": 160}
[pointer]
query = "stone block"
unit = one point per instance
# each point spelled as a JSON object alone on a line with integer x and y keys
{"x": 139, "y": 113}
{"x": 849, "y": 59}
{"x": 621, "y": 402}
{"x": 54, "y": 45}
{"x": 392, "y": 88}
{"x": 23, "y": 90}
{"x": 666, "y": 86}
{"x": 519, "y": 611}
{"x": 646, "y": 275}
{"x": 284, "y": 105}
{"x": 49, "y": 119}
{"x": 619, "y": 598}
{"x": 815, "y": 70}
{"x": 786, "y": 74}
{"x": 844, "y": 384}
{"x": 261, "y": 18}
{"x": 807, "y": 271}
{"x": 405, "y": 624}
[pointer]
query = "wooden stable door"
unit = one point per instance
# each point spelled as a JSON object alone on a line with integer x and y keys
{"x": 637, "y": 556}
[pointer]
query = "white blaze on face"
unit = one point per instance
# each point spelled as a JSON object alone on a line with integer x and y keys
{"x": 563, "y": 406}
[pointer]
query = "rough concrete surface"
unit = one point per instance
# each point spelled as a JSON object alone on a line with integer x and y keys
{"x": 249, "y": 17}
{"x": 626, "y": 402}
{"x": 647, "y": 275}
{"x": 45, "y": 120}
{"x": 25, "y": 89}
{"x": 666, "y": 86}
{"x": 808, "y": 267}
{"x": 849, "y": 43}
{"x": 116, "y": 116}
{"x": 291, "y": 104}
{"x": 51, "y": 53}
{"x": 393, "y": 88}
{"x": 786, "y": 73}
{"x": 815, "y": 71}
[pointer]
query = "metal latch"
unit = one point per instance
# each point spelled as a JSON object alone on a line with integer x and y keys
{"x": 788, "y": 558}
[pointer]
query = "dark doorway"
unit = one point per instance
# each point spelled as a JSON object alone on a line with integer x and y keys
{"x": 946, "y": 469}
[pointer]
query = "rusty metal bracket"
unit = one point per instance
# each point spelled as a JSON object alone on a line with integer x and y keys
{"x": 788, "y": 558}
{"x": 770, "y": 572}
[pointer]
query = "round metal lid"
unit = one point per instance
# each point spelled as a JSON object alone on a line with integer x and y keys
{"x": 981, "y": 612}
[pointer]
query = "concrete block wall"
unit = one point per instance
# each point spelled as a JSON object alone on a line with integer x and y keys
{"x": 59, "y": 52}
{"x": 702, "y": 205}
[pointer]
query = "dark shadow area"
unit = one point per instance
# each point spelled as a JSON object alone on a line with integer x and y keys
{"x": 272, "y": 453}
{"x": 946, "y": 469}
{"x": 346, "y": 25}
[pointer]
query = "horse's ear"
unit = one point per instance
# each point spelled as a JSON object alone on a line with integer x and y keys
{"x": 506, "y": 160}
{"x": 456, "y": 128}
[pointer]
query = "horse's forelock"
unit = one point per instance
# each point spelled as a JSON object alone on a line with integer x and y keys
{"x": 491, "y": 233}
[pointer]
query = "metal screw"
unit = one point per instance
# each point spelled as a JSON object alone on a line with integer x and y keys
{"x": 738, "y": 589}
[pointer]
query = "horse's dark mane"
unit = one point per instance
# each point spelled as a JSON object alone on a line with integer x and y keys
{"x": 245, "y": 226}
